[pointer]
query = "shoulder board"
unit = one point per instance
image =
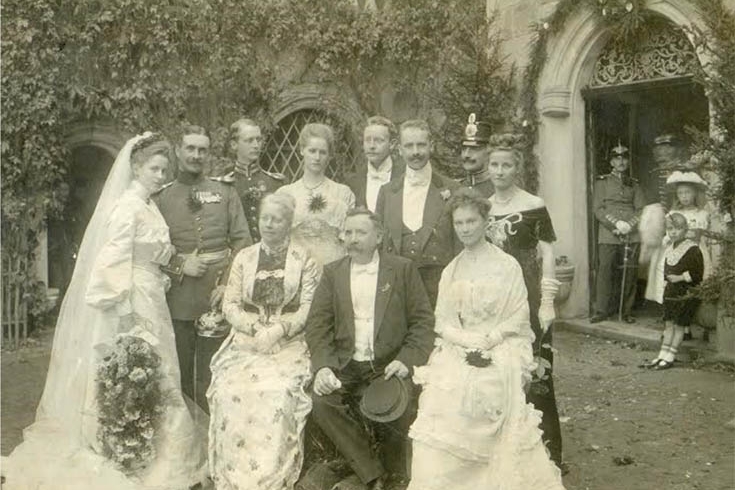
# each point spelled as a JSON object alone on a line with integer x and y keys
{"x": 275, "y": 175}
{"x": 164, "y": 186}
{"x": 225, "y": 179}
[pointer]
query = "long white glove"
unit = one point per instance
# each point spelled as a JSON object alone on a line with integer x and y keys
{"x": 546, "y": 312}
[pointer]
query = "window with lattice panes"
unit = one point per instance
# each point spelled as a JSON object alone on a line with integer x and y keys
{"x": 282, "y": 150}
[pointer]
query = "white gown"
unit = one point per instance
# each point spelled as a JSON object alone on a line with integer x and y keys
{"x": 60, "y": 450}
{"x": 319, "y": 216}
{"x": 474, "y": 428}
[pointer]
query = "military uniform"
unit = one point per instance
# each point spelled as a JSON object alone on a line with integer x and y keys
{"x": 616, "y": 198}
{"x": 479, "y": 181}
{"x": 204, "y": 217}
{"x": 251, "y": 185}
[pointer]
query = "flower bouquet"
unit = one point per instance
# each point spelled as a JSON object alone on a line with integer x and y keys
{"x": 129, "y": 402}
{"x": 212, "y": 324}
{"x": 478, "y": 358}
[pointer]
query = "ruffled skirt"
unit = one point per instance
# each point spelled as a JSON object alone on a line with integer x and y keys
{"x": 474, "y": 428}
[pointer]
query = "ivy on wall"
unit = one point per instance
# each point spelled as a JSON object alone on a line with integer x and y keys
{"x": 626, "y": 20}
{"x": 152, "y": 65}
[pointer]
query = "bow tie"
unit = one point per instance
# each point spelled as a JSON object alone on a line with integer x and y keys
{"x": 371, "y": 268}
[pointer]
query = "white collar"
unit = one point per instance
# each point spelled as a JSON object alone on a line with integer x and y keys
{"x": 370, "y": 267}
{"x": 384, "y": 168}
{"x": 419, "y": 177}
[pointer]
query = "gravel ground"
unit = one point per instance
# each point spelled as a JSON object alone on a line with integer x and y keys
{"x": 624, "y": 428}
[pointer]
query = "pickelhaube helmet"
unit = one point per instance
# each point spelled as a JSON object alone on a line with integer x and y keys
{"x": 476, "y": 133}
{"x": 619, "y": 150}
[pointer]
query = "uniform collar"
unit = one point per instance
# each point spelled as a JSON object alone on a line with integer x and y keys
{"x": 189, "y": 178}
{"x": 247, "y": 170}
{"x": 478, "y": 177}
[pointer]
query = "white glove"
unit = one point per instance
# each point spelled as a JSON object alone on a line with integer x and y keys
{"x": 623, "y": 227}
{"x": 546, "y": 312}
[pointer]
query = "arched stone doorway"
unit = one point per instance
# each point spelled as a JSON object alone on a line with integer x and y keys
{"x": 563, "y": 144}
{"x": 92, "y": 150}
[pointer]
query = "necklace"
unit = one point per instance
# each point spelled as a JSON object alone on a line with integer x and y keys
{"x": 504, "y": 201}
{"x": 311, "y": 190}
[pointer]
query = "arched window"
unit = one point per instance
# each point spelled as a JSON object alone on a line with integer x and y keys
{"x": 282, "y": 150}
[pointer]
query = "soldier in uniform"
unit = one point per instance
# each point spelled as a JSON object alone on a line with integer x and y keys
{"x": 247, "y": 176}
{"x": 618, "y": 201}
{"x": 207, "y": 227}
{"x": 475, "y": 157}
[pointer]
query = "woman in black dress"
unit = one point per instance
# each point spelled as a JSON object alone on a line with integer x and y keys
{"x": 683, "y": 269}
{"x": 521, "y": 225}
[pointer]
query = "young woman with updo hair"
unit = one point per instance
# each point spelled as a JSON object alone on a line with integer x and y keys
{"x": 520, "y": 224}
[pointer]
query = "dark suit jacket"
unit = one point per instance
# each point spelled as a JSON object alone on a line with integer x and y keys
{"x": 404, "y": 321}
{"x": 357, "y": 181}
{"x": 440, "y": 244}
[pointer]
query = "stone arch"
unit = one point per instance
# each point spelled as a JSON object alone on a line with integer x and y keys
{"x": 561, "y": 144}
{"x": 344, "y": 114}
{"x": 102, "y": 135}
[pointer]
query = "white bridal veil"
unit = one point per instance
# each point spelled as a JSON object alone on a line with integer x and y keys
{"x": 67, "y": 404}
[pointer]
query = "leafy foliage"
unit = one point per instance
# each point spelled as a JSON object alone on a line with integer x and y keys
{"x": 152, "y": 65}
{"x": 716, "y": 152}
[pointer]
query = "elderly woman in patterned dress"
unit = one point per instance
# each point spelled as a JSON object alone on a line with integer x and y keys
{"x": 257, "y": 399}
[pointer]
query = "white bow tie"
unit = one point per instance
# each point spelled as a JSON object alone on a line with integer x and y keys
{"x": 371, "y": 268}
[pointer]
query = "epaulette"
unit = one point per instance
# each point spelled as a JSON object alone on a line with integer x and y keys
{"x": 225, "y": 179}
{"x": 164, "y": 186}
{"x": 275, "y": 175}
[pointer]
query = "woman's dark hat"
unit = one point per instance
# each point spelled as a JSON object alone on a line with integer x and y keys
{"x": 385, "y": 400}
{"x": 476, "y": 133}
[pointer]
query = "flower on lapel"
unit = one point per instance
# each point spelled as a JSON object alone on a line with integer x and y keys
{"x": 446, "y": 194}
{"x": 385, "y": 287}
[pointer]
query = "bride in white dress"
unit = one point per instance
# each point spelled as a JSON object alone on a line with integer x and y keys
{"x": 117, "y": 288}
{"x": 474, "y": 428}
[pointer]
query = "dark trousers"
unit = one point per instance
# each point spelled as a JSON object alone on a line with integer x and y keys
{"x": 193, "y": 349}
{"x": 610, "y": 278}
{"x": 339, "y": 417}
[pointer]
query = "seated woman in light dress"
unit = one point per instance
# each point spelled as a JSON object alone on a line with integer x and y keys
{"x": 257, "y": 399}
{"x": 474, "y": 427}
{"x": 321, "y": 203}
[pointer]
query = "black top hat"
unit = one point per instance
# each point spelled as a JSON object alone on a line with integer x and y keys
{"x": 476, "y": 133}
{"x": 385, "y": 400}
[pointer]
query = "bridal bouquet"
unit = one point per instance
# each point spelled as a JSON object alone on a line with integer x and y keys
{"x": 129, "y": 402}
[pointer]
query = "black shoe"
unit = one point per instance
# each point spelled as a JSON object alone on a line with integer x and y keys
{"x": 629, "y": 319}
{"x": 649, "y": 365}
{"x": 663, "y": 365}
{"x": 687, "y": 336}
{"x": 598, "y": 318}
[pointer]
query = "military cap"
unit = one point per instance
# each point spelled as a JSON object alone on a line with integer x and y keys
{"x": 619, "y": 150}
{"x": 476, "y": 133}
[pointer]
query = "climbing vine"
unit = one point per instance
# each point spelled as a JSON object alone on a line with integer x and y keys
{"x": 626, "y": 20}
{"x": 152, "y": 65}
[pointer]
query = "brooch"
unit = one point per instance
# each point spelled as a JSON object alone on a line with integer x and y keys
{"x": 385, "y": 288}
{"x": 446, "y": 194}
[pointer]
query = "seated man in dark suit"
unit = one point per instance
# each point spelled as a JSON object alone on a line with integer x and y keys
{"x": 370, "y": 318}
